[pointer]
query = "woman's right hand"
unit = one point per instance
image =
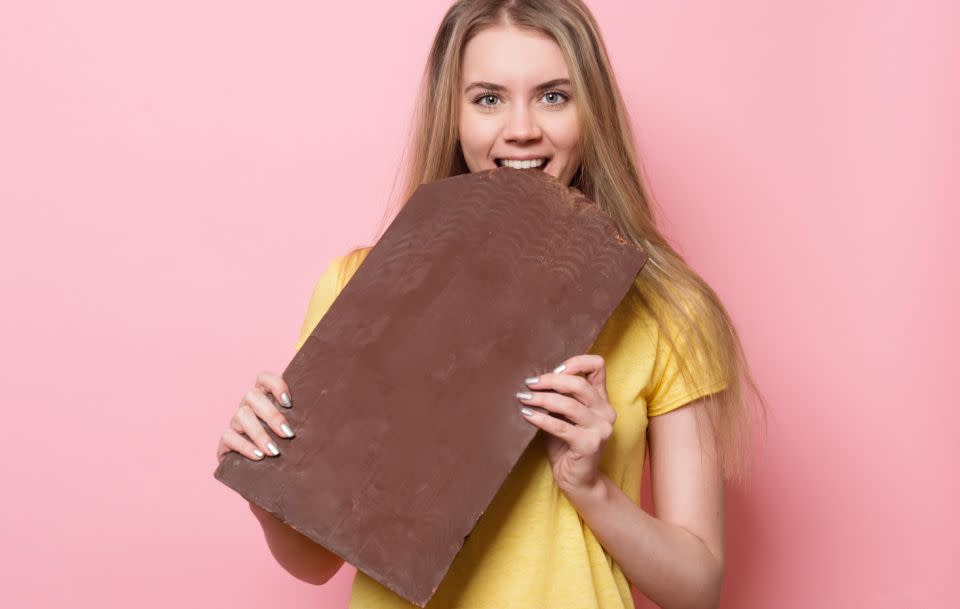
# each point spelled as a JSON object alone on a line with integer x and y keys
{"x": 246, "y": 434}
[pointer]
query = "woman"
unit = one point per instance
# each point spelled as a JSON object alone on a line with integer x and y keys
{"x": 528, "y": 83}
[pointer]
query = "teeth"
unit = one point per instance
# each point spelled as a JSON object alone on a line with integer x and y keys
{"x": 522, "y": 164}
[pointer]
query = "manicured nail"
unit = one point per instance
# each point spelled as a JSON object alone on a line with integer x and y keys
{"x": 286, "y": 429}
{"x": 525, "y": 396}
{"x": 526, "y": 411}
{"x": 533, "y": 380}
{"x": 273, "y": 449}
{"x": 560, "y": 368}
{"x": 285, "y": 400}
{"x": 258, "y": 453}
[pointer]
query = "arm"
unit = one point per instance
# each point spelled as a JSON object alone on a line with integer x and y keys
{"x": 675, "y": 558}
{"x": 298, "y": 554}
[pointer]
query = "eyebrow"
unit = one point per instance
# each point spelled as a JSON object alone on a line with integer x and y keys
{"x": 495, "y": 87}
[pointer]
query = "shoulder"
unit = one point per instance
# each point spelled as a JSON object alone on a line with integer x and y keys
{"x": 340, "y": 269}
{"x": 350, "y": 262}
{"x": 648, "y": 316}
{"x": 335, "y": 275}
{"x": 689, "y": 348}
{"x": 676, "y": 312}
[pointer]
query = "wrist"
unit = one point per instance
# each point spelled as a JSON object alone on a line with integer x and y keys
{"x": 593, "y": 493}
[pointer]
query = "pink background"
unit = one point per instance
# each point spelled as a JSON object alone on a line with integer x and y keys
{"x": 164, "y": 175}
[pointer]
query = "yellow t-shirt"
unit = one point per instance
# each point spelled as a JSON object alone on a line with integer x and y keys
{"x": 530, "y": 549}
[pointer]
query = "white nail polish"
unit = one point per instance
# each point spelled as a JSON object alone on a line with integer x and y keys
{"x": 285, "y": 399}
{"x": 560, "y": 368}
{"x": 258, "y": 453}
{"x": 526, "y": 411}
{"x": 525, "y": 396}
{"x": 533, "y": 380}
{"x": 273, "y": 449}
{"x": 286, "y": 429}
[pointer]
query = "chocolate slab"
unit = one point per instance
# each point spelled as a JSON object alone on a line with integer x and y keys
{"x": 404, "y": 407}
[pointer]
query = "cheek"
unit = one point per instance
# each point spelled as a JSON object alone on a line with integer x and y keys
{"x": 568, "y": 137}
{"x": 476, "y": 145}
{"x": 564, "y": 132}
{"x": 477, "y": 136}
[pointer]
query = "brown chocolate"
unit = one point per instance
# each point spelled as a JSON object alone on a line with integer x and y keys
{"x": 404, "y": 406}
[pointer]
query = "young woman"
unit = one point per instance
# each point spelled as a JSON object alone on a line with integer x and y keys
{"x": 527, "y": 83}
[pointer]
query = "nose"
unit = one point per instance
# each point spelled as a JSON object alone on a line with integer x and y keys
{"x": 521, "y": 126}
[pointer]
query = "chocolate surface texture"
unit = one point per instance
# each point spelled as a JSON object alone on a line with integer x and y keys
{"x": 407, "y": 423}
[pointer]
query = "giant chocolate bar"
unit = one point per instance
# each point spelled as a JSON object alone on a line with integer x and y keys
{"x": 404, "y": 406}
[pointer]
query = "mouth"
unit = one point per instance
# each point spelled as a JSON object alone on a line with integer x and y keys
{"x": 540, "y": 164}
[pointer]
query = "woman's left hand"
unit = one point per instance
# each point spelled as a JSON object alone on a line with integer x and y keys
{"x": 575, "y": 447}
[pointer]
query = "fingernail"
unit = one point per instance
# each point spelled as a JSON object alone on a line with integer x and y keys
{"x": 273, "y": 449}
{"x": 533, "y": 380}
{"x": 258, "y": 453}
{"x": 525, "y": 396}
{"x": 286, "y": 429}
{"x": 560, "y": 368}
{"x": 285, "y": 399}
{"x": 526, "y": 411}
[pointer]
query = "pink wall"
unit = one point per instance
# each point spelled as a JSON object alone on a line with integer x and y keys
{"x": 165, "y": 214}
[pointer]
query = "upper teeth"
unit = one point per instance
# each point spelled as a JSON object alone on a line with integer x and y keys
{"x": 522, "y": 164}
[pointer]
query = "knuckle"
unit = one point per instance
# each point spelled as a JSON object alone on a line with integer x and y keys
{"x": 251, "y": 396}
{"x": 592, "y": 443}
{"x": 228, "y": 441}
{"x": 248, "y": 422}
{"x": 237, "y": 417}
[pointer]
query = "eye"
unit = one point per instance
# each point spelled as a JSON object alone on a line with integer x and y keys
{"x": 564, "y": 97}
{"x": 558, "y": 98}
{"x": 485, "y": 95}
{"x": 489, "y": 97}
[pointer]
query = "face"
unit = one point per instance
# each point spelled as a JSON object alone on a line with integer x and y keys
{"x": 517, "y": 103}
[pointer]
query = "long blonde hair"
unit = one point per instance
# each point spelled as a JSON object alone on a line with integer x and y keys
{"x": 688, "y": 311}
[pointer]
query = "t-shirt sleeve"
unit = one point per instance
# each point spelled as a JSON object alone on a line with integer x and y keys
{"x": 324, "y": 293}
{"x": 668, "y": 389}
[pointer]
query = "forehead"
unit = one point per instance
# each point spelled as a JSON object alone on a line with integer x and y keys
{"x": 513, "y": 58}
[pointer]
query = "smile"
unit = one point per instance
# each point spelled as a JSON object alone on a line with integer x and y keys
{"x": 527, "y": 164}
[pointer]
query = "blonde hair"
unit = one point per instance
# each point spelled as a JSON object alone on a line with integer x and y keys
{"x": 686, "y": 309}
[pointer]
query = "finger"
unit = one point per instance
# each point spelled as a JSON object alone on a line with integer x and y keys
{"x": 568, "y": 384}
{"x": 274, "y": 385}
{"x": 582, "y": 441}
{"x": 233, "y": 441}
{"x": 558, "y": 404}
{"x": 265, "y": 408}
{"x": 253, "y": 429}
{"x": 591, "y": 366}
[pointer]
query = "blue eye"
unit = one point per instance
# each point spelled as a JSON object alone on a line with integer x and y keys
{"x": 486, "y": 96}
{"x": 489, "y": 94}
{"x": 553, "y": 93}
